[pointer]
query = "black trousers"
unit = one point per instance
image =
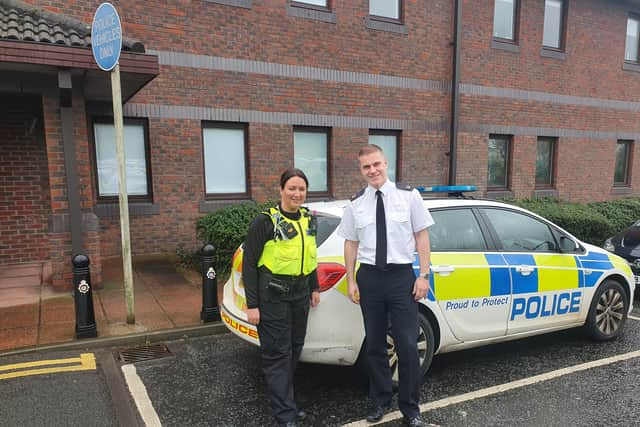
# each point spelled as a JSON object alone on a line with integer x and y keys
{"x": 282, "y": 328}
{"x": 387, "y": 296}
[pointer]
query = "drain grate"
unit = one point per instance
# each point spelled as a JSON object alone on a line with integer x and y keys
{"x": 147, "y": 352}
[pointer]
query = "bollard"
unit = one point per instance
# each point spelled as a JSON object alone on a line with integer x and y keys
{"x": 210, "y": 310}
{"x": 85, "y": 318}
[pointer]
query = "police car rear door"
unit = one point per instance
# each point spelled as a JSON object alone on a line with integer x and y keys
{"x": 546, "y": 282}
{"x": 469, "y": 278}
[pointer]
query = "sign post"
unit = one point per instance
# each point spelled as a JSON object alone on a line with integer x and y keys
{"x": 106, "y": 44}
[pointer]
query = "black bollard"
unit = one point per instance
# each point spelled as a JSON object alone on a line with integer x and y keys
{"x": 210, "y": 310}
{"x": 85, "y": 318}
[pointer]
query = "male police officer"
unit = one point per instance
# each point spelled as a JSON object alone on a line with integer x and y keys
{"x": 383, "y": 225}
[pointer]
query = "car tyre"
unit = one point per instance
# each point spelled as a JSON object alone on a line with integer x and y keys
{"x": 608, "y": 311}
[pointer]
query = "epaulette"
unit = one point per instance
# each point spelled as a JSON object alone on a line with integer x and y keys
{"x": 405, "y": 187}
{"x": 358, "y": 194}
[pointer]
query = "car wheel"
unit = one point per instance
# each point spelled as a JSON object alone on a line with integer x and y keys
{"x": 426, "y": 344}
{"x": 608, "y": 311}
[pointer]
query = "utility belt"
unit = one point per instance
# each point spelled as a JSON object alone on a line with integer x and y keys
{"x": 282, "y": 287}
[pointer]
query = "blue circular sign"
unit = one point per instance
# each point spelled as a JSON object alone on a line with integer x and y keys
{"x": 106, "y": 36}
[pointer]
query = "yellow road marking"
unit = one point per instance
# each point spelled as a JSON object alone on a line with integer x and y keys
{"x": 86, "y": 362}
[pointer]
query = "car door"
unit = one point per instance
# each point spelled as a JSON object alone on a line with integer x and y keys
{"x": 546, "y": 282}
{"x": 470, "y": 281}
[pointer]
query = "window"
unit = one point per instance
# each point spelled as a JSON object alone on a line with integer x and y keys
{"x": 388, "y": 141}
{"x": 455, "y": 230}
{"x": 225, "y": 162}
{"x": 633, "y": 39}
{"x": 519, "y": 232}
{"x": 554, "y": 18}
{"x": 385, "y": 9}
{"x": 505, "y": 19}
{"x": 136, "y": 149}
{"x": 321, "y": 3}
{"x": 498, "y": 170}
{"x": 310, "y": 148}
{"x": 545, "y": 157}
{"x": 623, "y": 163}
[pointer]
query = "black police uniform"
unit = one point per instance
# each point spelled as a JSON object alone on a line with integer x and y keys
{"x": 283, "y": 317}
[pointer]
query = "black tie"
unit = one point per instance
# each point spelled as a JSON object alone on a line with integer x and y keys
{"x": 381, "y": 233}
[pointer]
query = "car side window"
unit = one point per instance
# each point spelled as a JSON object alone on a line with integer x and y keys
{"x": 519, "y": 232}
{"x": 455, "y": 230}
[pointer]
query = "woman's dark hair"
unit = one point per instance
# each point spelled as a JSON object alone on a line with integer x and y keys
{"x": 290, "y": 173}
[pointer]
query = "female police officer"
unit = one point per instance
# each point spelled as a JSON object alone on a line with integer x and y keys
{"x": 279, "y": 273}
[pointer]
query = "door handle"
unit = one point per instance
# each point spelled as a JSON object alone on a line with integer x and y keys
{"x": 525, "y": 270}
{"x": 443, "y": 270}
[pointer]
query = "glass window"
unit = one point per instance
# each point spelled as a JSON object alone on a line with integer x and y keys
{"x": 388, "y": 141}
{"x": 504, "y": 15}
{"x": 455, "y": 230}
{"x": 385, "y": 8}
{"x": 553, "y": 18}
{"x": 498, "y": 170}
{"x": 135, "y": 147}
{"x": 322, "y": 3}
{"x": 633, "y": 36}
{"x": 310, "y": 148}
{"x": 519, "y": 232}
{"x": 224, "y": 159}
{"x": 544, "y": 162}
{"x": 623, "y": 156}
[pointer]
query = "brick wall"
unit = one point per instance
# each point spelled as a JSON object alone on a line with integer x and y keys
{"x": 24, "y": 194}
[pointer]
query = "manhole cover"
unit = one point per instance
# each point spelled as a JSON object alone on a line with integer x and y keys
{"x": 147, "y": 352}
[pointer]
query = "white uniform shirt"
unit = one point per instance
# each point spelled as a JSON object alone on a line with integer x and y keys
{"x": 405, "y": 215}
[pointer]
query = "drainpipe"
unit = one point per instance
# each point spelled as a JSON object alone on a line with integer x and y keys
{"x": 455, "y": 93}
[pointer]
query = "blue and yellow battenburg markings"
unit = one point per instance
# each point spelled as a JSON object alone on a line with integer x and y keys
{"x": 486, "y": 275}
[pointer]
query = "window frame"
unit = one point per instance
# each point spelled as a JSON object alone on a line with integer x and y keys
{"x": 301, "y": 4}
{"x": 508, "y": 161}
{"x": 398, "y": 135}
{"x": 328, "y": 133}
{"x": 563, "y": 28}
{"x": 247, "y": 176}
{"x": 516, "y": 25}
{"x": 628, "y": 163}
{"x": 552, "y": 163}
{"x": 135, "y": 198}
{"x": 636, "y": 17}
{"x": 400, "y": 19}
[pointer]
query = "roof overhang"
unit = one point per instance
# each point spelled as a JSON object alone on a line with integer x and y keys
{"x": 136, "y": 69}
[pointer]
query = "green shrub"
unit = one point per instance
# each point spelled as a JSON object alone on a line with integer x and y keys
{"x": 583, "y": 221}
{"x": 621, "y": 212}
{"x": 226, "y": 229}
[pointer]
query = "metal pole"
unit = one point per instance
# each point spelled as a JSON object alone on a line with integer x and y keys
{"x": 210, "y": 310}
{"x": 124, "y": 203}
{"x": 83, "y": 298}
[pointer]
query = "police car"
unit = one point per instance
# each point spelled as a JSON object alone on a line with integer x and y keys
{"x": 498, "y": 272}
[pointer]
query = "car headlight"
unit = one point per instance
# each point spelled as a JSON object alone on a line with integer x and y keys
{"x": 608, "y": 245}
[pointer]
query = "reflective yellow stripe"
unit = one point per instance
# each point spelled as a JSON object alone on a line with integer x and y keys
{"x": 620, "y": 264}
{"x": 470, "y": 279}
{"x": 556, "y": 272}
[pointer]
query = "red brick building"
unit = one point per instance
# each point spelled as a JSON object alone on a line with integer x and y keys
{"x": 524, "y": 98}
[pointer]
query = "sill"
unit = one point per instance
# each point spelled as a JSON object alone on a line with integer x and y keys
{"x": 499, "y": 194}
{"x": 621, "y": 189}
{"x": 305, "y": 11}
{"x": 509, "y": 46}
{"x": 631, "y": 66}
{"x": 548, "y": 52}
{"x": 374, "y": 23}
{"x": 246, "y": 4}
{"x": 112, "y": 209}
{"x": 208, "y": 206}
{"x": 544, "y": 193}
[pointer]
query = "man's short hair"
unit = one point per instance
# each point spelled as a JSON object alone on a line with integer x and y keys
{"x": 369, "y": 149}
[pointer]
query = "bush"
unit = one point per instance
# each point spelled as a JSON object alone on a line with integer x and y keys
{"x": 226, "y": 229}
{"x": 583, "y": 221}
{"x": 621, "y": 212}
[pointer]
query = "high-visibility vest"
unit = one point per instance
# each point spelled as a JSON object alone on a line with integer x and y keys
{"x": 295, "y": 256}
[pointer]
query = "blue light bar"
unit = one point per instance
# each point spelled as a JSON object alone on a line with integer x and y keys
{"x": 447, "y": 189}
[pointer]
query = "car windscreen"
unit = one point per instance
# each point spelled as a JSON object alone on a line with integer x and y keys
{"x": 326, "y": 225}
